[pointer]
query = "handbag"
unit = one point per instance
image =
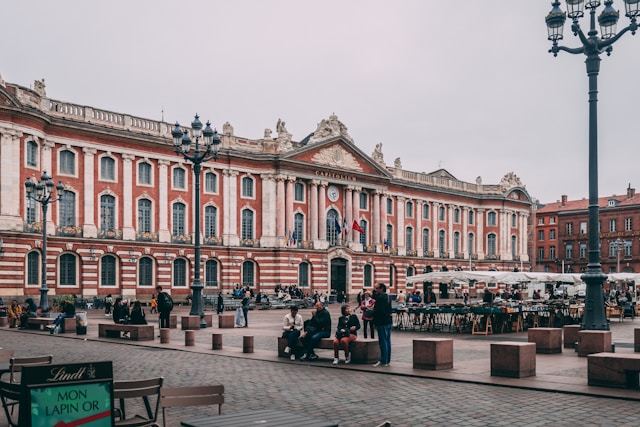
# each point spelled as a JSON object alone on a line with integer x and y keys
{"x": 368, "y": 313}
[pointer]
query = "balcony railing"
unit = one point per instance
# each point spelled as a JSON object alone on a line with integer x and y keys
{"x": 412, "y": 252}
{"x": 305, "y": 244}
{"x": 370, "y": 249}
{"x": 181, "y": 238}
{"x": 212, "y": 240}
{"x": 147, "y": 236}
{"x": 459, "y": 255}
{"x": 109, "y": 233}
{"x": 69, "y": 231}
{"x": 444, "y": 254}
{"x": 427, "y": 254}
{"x": 33, "y": 227}
{"x": 250, "y": 243}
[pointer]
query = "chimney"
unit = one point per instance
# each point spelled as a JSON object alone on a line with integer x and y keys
{"x": 564, "y": 200}
{"x": 631, "y": 192}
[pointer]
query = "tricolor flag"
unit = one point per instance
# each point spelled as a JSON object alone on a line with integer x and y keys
{"x": 386, "y": 245}
{"x": 357, "y": 227}
{"x": 345, "y": 227}
{"x": 337, "y": 225}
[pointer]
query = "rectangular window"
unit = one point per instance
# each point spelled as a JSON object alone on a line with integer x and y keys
{"x": 144, "y": 173}
{"x": 456, "y": 215}
{"x": 425, "y": 210}
{"x": 107, "y": 169}
{"x": 442, "y": 213}
{"x": 298, "y": 192}
{"x": 389, "y": 206}
{"x": 552, "y": 252}
{"x": 627, "y": 248}
{"x": 492, "y": 219}
{"x": 210, "y": 182}
{"x": 569, "y": 251}
{"x": 247, "y": 187}
{"x": 541, "y": 235}
{"x": 552, "y": 220}
{"x": 612, "y": 225}
{"x": 364, "y": 201}
{"x": 67, "y": 162}
{"x": 409, "y": 210}
{"x": 569, "y": 229}
{"x": 471, "y": 215}
{"x": 144, "y": 216}
{"x": 628, "y": 224}
{"x": 31, "y": 210}
{"x": 32, "y": 153}
{"x": 540, "y": 221}
{"x": 540, "y": 254}
{"x": 583, "y": 250}
{"x": 179, "y": 178}
{"x": 68, "y": 210}
{"x": 583, "y": 227}
{"x": 552, "y": 234}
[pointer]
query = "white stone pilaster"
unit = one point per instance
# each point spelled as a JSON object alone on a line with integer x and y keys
{"x": 89, "y": 228}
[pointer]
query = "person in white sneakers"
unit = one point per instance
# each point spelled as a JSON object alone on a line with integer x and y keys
{"x": 292, "y": 327}
{"x": 346, "y": 333}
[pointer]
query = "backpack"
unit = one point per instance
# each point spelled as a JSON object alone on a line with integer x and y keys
{"x": 167, "y": 304}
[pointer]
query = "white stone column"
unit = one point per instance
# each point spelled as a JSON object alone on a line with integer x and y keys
{"x": 89, "y": 228}
{"x": 289, "y": 205}
{"x": 313, "y": 210}
{"x": 281, "y": 206}
{"x": 480, "y": 238}
{"x": 164, "y": 235}
{"x": 322, "y": 224}
{"x": 269, "y": 211}
{"x": 383, "y": 217}
{"x": 11, "y": 189}
{"x": 449, "y": 217}
{"x": 435, "y": 207}
{"x": 400, "y": 214}
{"x": 524, "y": 253}
{"x": 464, "y": 244}
{"x": 355, "y": 236}
{"x": 230, "y": 235}
{"x": 417, "y": 236}
{"x": 375, "y": 219}
{"x": 348, "y": 214}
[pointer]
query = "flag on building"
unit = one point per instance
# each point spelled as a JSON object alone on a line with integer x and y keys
{"x": 294, "y": 238}
{"x": 337, "y": 225}
{"x": 357, "y": 227}
{"x": 386, "y": 245}
{"x": 345, "y": 227}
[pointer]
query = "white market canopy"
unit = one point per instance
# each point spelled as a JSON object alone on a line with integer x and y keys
{"x": 511, "y": 277}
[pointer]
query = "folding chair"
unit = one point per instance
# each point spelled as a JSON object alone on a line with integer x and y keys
{"x": 172, "y": 397}
{"x": 10, "y": 397}
{"x": 137, "y": 389}
{"x": 17, "y": 363}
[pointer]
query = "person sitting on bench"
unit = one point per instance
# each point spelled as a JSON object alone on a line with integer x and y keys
{"x": 319, "y": 327}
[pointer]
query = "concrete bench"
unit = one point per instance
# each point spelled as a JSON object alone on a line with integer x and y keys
{"x": 136, "y": 332}
{"x": 513, "y": 359}
{"x": 614, "y": 370}
{"x": 570, "y": 335}
{"x": 362, "y": 350}
{"x": 226, "y": 321}
{"x": 190, "y": 323}
{"x": 433, "y": 353}
{"x": 68, "y": 325}
{"x": 547, "y": 340}
{"x": 591, "y": 342}
{"x": 39, "y": 322}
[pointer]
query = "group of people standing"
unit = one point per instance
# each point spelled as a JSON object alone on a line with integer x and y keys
{"x": 376, "y": 317}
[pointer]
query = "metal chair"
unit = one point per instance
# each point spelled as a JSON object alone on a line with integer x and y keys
{"x": 17, "y": 363}
{"x": 137, "y": 389}
{"x": 10, "y": 397}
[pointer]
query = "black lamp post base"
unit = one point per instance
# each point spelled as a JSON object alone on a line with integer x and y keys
{"x": 44, "y": 302}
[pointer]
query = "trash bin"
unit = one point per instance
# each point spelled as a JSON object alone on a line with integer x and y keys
{"x": 81, "y": 323}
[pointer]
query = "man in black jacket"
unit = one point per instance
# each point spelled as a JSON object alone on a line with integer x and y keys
{"x": 164, "y": 308}
{"x": 319, "y": 327}
{"x": 383, "y": 321}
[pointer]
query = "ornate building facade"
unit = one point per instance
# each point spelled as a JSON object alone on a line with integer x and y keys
{"x": 318, "y": 212}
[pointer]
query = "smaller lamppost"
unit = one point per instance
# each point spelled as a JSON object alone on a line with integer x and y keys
{"x": 43, "y": 193}
{"x": 200, "y": 153}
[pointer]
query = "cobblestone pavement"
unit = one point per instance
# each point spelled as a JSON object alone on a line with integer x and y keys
{"x": 358, "y": 396}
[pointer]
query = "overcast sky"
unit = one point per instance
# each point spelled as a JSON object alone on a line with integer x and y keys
{"x": 465, "y": 85}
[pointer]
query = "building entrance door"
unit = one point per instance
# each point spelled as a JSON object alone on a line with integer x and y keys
{"x": 338, "y": 276}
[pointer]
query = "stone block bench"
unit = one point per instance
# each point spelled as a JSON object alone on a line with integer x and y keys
{"x": 39, "y": 322}
{"x": 547, "y": 340}
{"x": 136, "y": 332}
{"x": 68, "y": 325}
{"x": 433, "y": 353}
{"x": 614, "y": 370}
{"x": 513, "y": 359}
{"x": 570, "y": 335}
{"x": 362, "y": 350}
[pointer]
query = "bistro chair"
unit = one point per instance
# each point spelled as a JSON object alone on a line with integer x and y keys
{"x": 137, "y": 389}
{"x": 172, "y": 397}
{"x": 10, "y": 397}
{"x": 17, "y": 363}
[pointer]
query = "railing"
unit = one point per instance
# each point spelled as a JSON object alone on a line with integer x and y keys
{"x": 212, "y": 240}
{"x": 412, "y": 252}
{"x": 106, "y": 233}
{"x": 370, "y": 249}
{"x": 69, "y": 231}
{"x": 250, "y": 243}
{"x": 147, "y": 236}
{"x": 181, "y": 238}
{"x": 427, "y": 254}
{"x": 33, "y": 227}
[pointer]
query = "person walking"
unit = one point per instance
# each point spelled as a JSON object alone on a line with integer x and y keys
{"x": 245, "y": 308}
{"x": 220, "y": 304}
{"x": 383, "y": 321}
{"x": 154, "y": 304}
{"x": 165, "y": 305}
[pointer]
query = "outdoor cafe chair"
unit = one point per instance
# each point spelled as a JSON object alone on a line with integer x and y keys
{"x": 137, "y": 389}
{"x": 17, "y": 363}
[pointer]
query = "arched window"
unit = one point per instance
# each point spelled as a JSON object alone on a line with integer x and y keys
{"x": 33, "y": 268}
{"x": 247, "y": 224}
{"x": 178, "y": 219}
{"x": 248, "y": 274}
{"x": 179, "y": 180}
{"x": 456, "y": 215}
{"x": 491, "y": 244}
{"x": 144, "y": 216}
{"x": 409, "y": 238}
{"x": 333, "y": 224}
{"x": 211, "y": 273}
{"x": 107, "y": 169}
{"x": 456, "y": 242}
{"x": 145, "y": 272}
{"x": 426, "y": 239}
{"x": 179, "y": 273}
{"x": 472, "y": 244}
{"x": 442, "y": 245}
{"x": 108, "y": 270}
{"x": 368, "y": 276}
{"x": 514, "y": 246}
{"x": 303, "y": 274}
{"x": 409, "y": 210}
{"x": 68, "y": 270}
{"x": 411, "y": 270}
{"x": 210, "y": 221}
{"x": 144, "y": 173}
{"x": 107, "y": 212}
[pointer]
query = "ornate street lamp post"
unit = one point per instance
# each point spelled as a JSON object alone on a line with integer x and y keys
{"x": 201, "y": 153}
{"x": 43, "y": 193}
{"x": 592, "y": 46}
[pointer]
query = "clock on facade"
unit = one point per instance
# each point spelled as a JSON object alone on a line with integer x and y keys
{"x": 332, "y": 193}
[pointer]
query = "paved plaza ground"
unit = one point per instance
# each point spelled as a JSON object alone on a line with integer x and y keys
{"x": 354, "y": 395}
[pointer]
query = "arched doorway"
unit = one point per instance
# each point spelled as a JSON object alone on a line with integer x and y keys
{"x": 338, "y": 276}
